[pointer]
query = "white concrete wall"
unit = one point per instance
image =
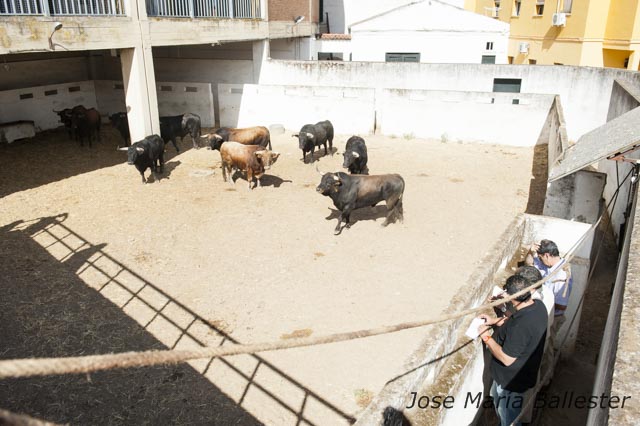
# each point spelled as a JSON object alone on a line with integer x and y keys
{"x": 39, "y": 109}
{"x": 433, "y": 46}
{"x": 103, "y": 95}
{"x": 295, "y": 106}
{"x": 464, "y": 116}
{"x": 429, "y": 377}
{"x": 585, "y": 92}
{"x": 179, "y": 101}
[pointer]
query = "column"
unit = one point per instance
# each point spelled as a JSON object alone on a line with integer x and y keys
{"x": 634, "y": 61}
{"x": 140, "y": 92}
{"x": 260, "y": 56}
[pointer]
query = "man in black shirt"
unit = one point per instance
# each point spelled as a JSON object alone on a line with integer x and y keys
{"x": 516, "y": 350}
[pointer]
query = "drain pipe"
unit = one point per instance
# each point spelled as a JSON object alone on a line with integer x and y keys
{"x": 609, "y": 347}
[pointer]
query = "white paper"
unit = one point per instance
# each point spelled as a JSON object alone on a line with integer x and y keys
{"x": 472, "y": 331}
{"x": 496, "y": 291}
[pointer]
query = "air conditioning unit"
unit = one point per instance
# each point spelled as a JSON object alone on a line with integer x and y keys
{"x": 559, "y": 19}
{"x": 523, "y": 47}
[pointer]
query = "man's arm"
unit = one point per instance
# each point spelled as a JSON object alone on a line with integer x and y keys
{"x": 497, "y": 352}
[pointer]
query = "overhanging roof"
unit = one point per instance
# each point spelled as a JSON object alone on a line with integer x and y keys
{"x": 615, "y": 137}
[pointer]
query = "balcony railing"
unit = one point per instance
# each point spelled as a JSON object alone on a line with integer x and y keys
{"x": 204, "y": 8}
{"x": 62, "y": 7}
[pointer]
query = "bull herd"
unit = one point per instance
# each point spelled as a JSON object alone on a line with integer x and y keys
{"x": 249, "y": 150}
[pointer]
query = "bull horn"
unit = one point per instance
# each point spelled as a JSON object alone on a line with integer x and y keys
{"x": 321, "y": 173}
{"x": 139, "y": 149}
{"x": 296, "y": 135}
{"x": 335, "y": 177}
{"x": 355, "y": 154}
{"x": 122, "y": 149}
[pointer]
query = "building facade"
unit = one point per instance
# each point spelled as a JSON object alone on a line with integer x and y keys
{"x": 597, "y": 33}
{"x": 133, "y": 32}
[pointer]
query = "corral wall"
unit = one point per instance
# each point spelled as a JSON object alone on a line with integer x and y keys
{"x": 624, "y": 98}
{"x": 502, "y": 118}
{"x": 39, "y": 108}
{"x": 295, "y": 106}
{"x": 585, "y": 92}
{"x": 105, "y": 95}
{"x": 432, "y": 372}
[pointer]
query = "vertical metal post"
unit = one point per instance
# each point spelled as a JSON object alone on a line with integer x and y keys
{"x": 191, "y": 9}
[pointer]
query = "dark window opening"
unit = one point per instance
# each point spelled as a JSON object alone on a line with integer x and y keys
{"x": 50, "y": 92}
{"x": 190, "y": 89}
{"x": 488, "y": 59}
{"x": 74, "y": 89}
{"x": 26, "y": 96}
{"x": 402, "y": 57}
{"x": 489, "y": 45}
{"x": 515, "y": 101}
{"x": 509, "y": 85}
{"x": 166, "y": 89}
{"x": 539, "y": 7}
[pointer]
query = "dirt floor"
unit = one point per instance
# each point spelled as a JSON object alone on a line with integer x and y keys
{"x": 92, "y": 261}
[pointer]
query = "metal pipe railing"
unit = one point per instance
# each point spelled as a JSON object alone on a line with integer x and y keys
{"x": 246, "y": 9}
{"x": 62, "y": 7}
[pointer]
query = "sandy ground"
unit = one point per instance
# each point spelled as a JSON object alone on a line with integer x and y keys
{"x": 93, "y": 261}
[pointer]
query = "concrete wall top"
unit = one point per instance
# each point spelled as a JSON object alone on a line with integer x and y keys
{"x": 585, "y": 92}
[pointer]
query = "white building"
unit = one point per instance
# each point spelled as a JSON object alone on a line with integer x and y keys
{"x": 430, "y": 31}
{"x": 436, "y": 31}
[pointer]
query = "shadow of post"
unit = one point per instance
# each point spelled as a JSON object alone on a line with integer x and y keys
{"x": 63, "y": 296}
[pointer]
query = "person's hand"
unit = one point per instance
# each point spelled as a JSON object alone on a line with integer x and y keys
{"x": 534, "y": 248}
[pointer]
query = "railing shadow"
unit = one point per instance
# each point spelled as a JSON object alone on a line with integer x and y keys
{"x": 63, "y": 296}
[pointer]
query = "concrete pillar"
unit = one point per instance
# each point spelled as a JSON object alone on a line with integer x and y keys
{"x": 260, "y": 56}
{"x": 634, "y": 61}
{"x": 140, "y": 92}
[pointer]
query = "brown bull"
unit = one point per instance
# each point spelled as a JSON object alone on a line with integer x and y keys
{"x": 252, "y": 159}
{"x": 248, "y": 136}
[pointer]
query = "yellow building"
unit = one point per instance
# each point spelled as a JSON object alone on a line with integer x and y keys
{"x": 597, "y": 33}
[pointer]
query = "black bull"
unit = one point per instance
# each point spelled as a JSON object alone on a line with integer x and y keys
{"x": 350, "y": 192}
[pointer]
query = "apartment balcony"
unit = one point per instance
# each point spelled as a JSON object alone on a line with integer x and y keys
{"x": 235, "y": 9}
{"x": 114, "y": 24}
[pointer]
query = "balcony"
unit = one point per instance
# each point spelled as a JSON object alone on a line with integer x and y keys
{"x": 244, "y": 9}
{"x": 62, "y": 7}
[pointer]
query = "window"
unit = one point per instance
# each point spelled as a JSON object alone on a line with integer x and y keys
{"x": 516, "y": 7}
{"x": 566, "y": 6}
{"x": 532, "y": 62}
{"x": 488, "y": 59}
{"x": 539, "y": 7}
{"x": 510, "y": 85}
{"x": 191, "y": 89}
{"x": 74, "y": 89}
{"x": 26, "y": 96}
{"x": 489, "y": 45}
{"x": 402, "y": 57}
{"x": 166, "y": 88}
{"x": 50, "y": 92}
{"x": 510, "y": 58}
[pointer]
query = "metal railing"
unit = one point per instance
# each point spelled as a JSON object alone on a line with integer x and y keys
{"x": 62, "y": 7}
{"x": 204, "y": 8}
